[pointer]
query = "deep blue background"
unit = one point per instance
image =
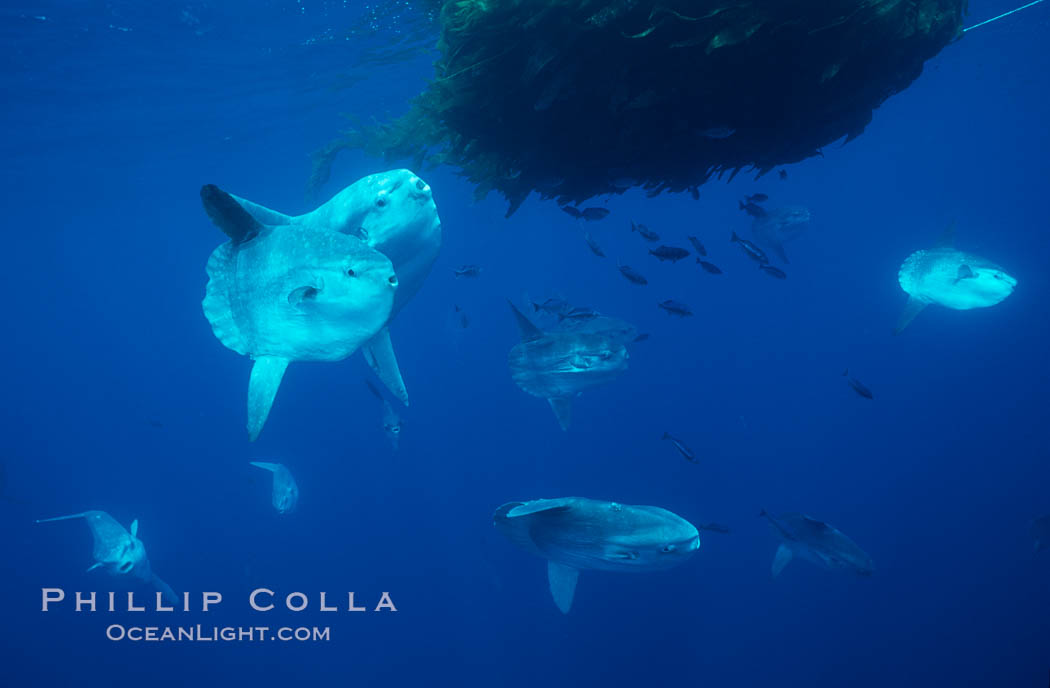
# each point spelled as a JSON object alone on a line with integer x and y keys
{"x": 114, "y": 116}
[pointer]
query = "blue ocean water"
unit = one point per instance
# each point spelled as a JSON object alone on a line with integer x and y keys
{"x": 118, "y": 397}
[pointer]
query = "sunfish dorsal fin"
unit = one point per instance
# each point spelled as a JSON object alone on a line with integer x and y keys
{"x": 562, "y": 581}
{"x": 379, "y": 353}
{"x": 262, "y": 388}
{"x": 529, "y": 332}
{"x": 263, "y": 214}
{"x": 947, "y": 238}
{"x": 562, "y": 407}
{"x": 229, "y": 215}
{"x": 781, "y": 559}
{"x": 93, "y": 566}
{"x": 537, "y": 506}
{"x": 912, "y": 308}
{"x": 135, "y": 527}
{"x": 82, "y": 514}
{"x": 265, "y": 465}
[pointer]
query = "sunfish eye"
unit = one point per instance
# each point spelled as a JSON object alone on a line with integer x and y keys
{"x": 670, "y": 548}
{"x": 998, "y": 276}
{"x": 350, "y": 272}
{"x": 380, "y": 202}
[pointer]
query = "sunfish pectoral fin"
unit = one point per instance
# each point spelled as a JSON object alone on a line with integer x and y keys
{"x": 781, "y": 559}
{"x": 262, "y": 388}
{"x": 912, "y": 308}
{"x": 562, "y": 581}
{"x": 165, "y": 590}
{"x": 297, "y": 296}
{"x": 379, "y": 353}
{"x": 562, "y": 407}
{"x": 964, "y": 272}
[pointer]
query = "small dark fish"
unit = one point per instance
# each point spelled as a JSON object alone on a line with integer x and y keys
{"x": 681, "y": 447}
{"x": 467, "y": 271}
{"x": 675, "y": 308}
{"x": 593, "y": 245}
{"x": 756, "y": 198}
{"x": 463, "y": 321}
{"x": 708, "y": 267}
{"x": 773, "y": 271}
{"x": 592, "y": 214}
{"x": 575, "y": 212}
{"x": 553, "y": 306}
{"x": 700, "y": 250}
{"x": 753, "y": 209}
{"x": 579, "y": 313}
{"x": 714, "y": 528}
{"x": 647, "y": 234}
{"x": 783, "y": 174}
{"x": 671, "y": 253}
{"x": 642, "y": 337}
{"x": 857, "y": 386}
{"x": 753, "y": 252}
{"x": 632, "y": 275}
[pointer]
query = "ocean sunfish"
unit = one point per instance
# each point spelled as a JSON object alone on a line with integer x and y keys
{"x": 576, "y": 533}
{"x": 285, "y": 495}
{"x": 394, "y": 213}
{"x": 557, "y": 366}
{"x": 772, "y": 228}
{"x": 290, "y": 293}
{"x": 119, "y": 552}
{"x": 816, "y": 542}
{"x": 950, "y": 278}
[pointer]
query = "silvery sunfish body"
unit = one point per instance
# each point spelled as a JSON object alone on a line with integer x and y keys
{"x": 775, "y": 227}
{"x": 557, "y": 366}
{"x": 285, "y": 496}
{"x": 576, "y": 533}
{"x": 119, "y": 552}
{"x": 392, "y": 212}
{"x": 817, "y": 542}
{"x": 1040, "y": 532}
{"x": 950, "y": 278}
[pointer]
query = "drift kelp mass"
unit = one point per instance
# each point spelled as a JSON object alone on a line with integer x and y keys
{"x": 574, "y": 99}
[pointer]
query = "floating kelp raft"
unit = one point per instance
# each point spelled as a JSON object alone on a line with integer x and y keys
{"x": 575, "y": 98}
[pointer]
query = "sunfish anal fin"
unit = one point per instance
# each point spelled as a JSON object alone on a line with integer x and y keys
{"x": 562, "y": 581}
{"x": 229, "y": 215}
{"x": 562, "y": 407}
{"x": 379, "y": 353}
{"x": 912, "y": 308}
{"x": 781, "y": 559}
{"x": 262, "y": 388}
{"x": 165, "y": 590}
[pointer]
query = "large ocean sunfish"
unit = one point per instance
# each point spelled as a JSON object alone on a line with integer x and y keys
{"x": 948, "y": 277}
{"x": 394, "y": 213}
{"x": 119, "y": 552}
{"x": 558, "y": 365}
{"x": 816, "y": 542}
{"x": 576, "y": 533}
{"x": 290, "y": 293}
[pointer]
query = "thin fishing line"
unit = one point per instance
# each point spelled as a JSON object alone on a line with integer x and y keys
{"x": 1005, "y": 14}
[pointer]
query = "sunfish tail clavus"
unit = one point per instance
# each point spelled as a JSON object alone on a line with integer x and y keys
{"x": 394, "y": 213}
{"x": 286, "y": 293}
{"x": 575, "y": 533}
{"x": 951, "y": 278}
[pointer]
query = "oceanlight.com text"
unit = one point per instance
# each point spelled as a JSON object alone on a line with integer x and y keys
{"x": 207, "y": 634}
